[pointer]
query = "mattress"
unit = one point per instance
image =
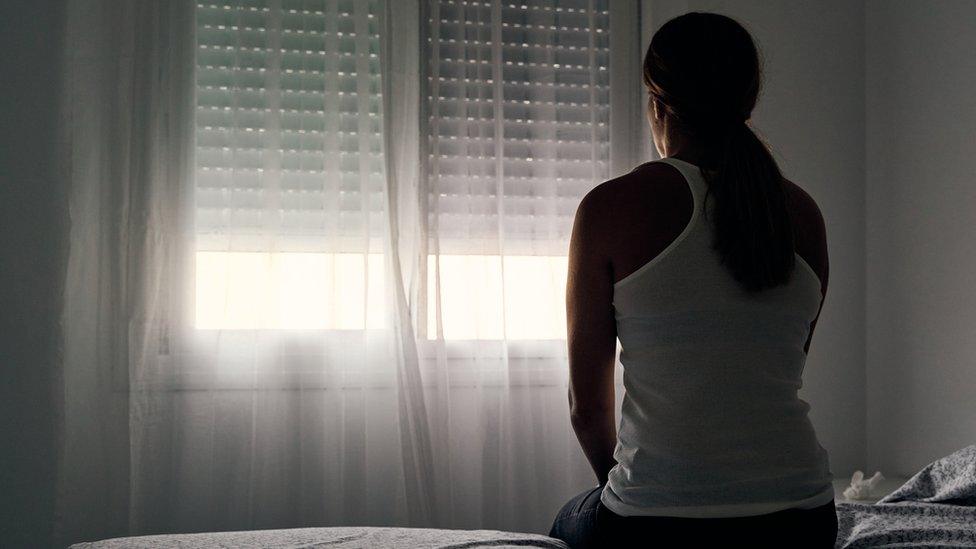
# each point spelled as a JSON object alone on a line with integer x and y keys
{"x": 344, "y": 537}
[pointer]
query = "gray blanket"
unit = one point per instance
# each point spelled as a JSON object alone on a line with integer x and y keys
{"x": 935, "y": 508}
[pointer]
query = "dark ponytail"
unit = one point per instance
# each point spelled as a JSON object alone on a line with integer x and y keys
{"x": 703, "y": 70}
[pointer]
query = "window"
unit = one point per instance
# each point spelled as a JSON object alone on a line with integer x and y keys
{"x": 289, "y": 187}
{"x": 518, "y": 103}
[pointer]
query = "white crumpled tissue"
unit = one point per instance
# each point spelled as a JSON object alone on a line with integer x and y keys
{"x": 860, "y": 488}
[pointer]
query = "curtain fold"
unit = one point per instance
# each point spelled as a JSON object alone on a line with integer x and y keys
{"x": 127, "y": 145}
{"x": 400, "y": 62}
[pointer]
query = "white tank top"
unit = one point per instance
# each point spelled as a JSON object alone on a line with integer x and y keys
{"x": 711, "y": 424}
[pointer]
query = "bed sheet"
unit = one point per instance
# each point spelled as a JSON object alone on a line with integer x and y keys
{"x": 343, "y": 537}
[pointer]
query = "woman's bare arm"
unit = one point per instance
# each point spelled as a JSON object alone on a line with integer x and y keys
{"x": 811, "y": 243}
{"x": 592, "y": 336}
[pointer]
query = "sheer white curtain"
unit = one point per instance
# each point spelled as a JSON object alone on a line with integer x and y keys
{"x": 317, "y": 261}
{"x": 126, "y": 150}
{"x": 517, "y": 111}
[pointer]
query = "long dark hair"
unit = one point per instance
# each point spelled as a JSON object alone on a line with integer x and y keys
{"x": 703, "y": 70}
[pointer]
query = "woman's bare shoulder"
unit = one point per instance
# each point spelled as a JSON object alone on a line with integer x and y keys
{"x": 628, "y": 215}
{"x": 634, "y": 188}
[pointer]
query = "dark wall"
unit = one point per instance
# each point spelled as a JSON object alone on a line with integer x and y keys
{"x": 33, "y": 257}
{"x": 921, "y": 235}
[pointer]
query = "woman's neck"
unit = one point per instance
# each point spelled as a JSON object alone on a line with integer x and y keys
{"x": 688, "y": 149}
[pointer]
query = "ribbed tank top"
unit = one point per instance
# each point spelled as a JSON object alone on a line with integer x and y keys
{"x": 711, "y": 424}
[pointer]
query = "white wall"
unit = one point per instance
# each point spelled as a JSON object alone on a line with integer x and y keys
{"x": 812, "y": 114}
{"x": 921, "y": 236}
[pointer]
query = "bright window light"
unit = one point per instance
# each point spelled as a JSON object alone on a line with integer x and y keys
{"x": 254, "y": 291}
{"x": 472, "y": 296}
{"x": 483, "y": 297}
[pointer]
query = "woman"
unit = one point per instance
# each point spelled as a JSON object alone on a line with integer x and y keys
{"x": 711, "y": 269}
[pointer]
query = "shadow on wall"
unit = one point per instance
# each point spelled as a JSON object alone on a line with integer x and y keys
{"x": 33, "y": 245}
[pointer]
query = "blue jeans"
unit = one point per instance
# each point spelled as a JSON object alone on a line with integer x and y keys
{"x": 585, "y": 522}
{"x": 578, "y": 522}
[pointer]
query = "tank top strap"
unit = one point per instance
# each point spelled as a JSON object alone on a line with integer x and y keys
{"x": 692, "y": 174}
{"x": 693, "y": 228}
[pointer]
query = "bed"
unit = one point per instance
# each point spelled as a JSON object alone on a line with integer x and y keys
{"x": 344, "y": 538}
{"x": 935, "y": 508}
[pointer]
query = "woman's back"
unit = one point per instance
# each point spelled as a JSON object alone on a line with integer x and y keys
{"x": 714, "y": 312}
{"x": 652, "y": 204}
{"x": 711, "y": 423}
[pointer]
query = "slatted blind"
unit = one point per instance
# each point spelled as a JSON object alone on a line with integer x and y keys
{"x": 289, "y": 120}
{"x": 518, "y": 109}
